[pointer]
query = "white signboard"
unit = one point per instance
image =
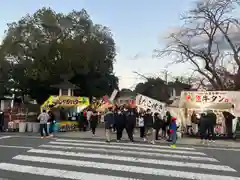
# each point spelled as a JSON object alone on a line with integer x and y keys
{"x": 113, "y": 95}
{"x": 149, "y": 103}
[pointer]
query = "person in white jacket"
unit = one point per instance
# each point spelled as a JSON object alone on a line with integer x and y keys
{"x": 43, "y": 119}
{"x": 141, "y": 125}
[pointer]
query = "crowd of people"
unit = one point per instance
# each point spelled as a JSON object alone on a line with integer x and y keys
{"x": 120, "y": 118}
{"x": 151, "y": 125}
{"x": 207, "y": 121}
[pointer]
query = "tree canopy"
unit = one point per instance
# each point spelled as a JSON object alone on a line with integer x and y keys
{"x": 159, "y": 89}
{"x": 47, "y": 47}
{"x": 209, "y": 41}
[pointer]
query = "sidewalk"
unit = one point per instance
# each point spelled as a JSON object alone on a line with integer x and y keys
{"x": 100, "y": 134}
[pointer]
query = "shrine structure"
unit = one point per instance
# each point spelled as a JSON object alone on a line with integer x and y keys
{"x": 66, "y": 88}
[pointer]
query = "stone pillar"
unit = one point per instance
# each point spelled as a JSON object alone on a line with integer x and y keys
{"x": 69, "y": 92}
{"x": 60, "y": 92}
{"x": 2, "y": 105}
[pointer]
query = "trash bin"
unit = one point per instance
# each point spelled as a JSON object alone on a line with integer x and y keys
{"x": 22, "y": 127}
{"x": 29, "y": 126}
{"x": 35, "y": 127}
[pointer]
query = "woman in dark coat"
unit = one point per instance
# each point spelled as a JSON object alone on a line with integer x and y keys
{"x": 120, "y": 122}
{"x": 157, "y": 124}
{"x": 228, "y": 121}
{"x": 167, "y": 124}
{"x": 131, "y": 116}
{"x": 94, "y": 122}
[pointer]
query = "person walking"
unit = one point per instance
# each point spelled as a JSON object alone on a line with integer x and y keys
{"x": 108, "y": 120}
{"x": 228, "y": 122}
{"x": 80, "y": 119}
{"x": 168, "y": 121}
{"x": 212, "y": 123}
{"x": 43, "y": 118}
{"x": 173, "y": 131}
{"x": 94, "y": 122}
{"x": 204, "y": 121}
{"x": 164, "y": 128}
{"x": 86, "y": 122}
{"x": 89, "y": 114}
{"x": 52, "y": 122}
{"x": 141, "y": 124}
{"x": 120, "y": 122}
{"x": 148, "y": 126}
{"x": 131, "y": 117}
{"x": 157, "y": 125}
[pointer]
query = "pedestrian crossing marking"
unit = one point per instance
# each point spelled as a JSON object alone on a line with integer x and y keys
{"x": 124, "y": 168}
{"x": 136, "y": 160}
{"x": 58, "y": 173}
{"x": 127, "y": 148}
{"x": 5, "y": 137}
{"x": 105, "y": 150}
{"x": 117, "y": 161}
{"x": 121, "y": 143}
{"x": 219, "y": 148}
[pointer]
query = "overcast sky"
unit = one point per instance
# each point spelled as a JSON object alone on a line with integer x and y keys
{"x": 137, "y": 27}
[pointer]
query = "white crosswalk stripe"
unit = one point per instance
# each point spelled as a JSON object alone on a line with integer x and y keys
{"x": 115, "y": 143}
{"x": 127, "y": 148}
{"x": 61, "y": 158}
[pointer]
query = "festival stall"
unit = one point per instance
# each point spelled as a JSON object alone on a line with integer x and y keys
{"x": 65, "y": 109}
{"x": 200, "y": 101}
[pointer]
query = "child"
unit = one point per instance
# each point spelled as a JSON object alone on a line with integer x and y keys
{"x": 173, "y": 131}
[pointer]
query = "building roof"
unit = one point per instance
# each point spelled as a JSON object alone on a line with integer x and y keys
{"x": 65, "y": 85}
{"x": 126, "y": 93}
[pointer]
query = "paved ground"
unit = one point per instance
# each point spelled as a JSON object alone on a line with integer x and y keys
{"x": 75, "y": 158}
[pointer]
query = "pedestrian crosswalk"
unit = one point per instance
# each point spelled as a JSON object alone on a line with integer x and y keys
{"x": 86, "y": 159}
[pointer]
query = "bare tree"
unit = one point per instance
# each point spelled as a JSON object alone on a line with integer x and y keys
{"x": 207, "y": 42}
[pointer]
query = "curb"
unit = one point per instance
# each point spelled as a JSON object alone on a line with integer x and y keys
{"x": 101, "y": 138}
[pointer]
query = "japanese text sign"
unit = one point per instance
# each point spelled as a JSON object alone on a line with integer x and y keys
{"x": 207, "y": 97}
{"x": 72, "y": 101}
{"x": 149, "y": 103}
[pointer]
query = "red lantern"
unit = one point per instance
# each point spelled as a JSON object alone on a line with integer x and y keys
{"x": 198, "y": 98}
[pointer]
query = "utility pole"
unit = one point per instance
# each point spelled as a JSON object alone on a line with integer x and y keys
{"x": 165, "y": 75}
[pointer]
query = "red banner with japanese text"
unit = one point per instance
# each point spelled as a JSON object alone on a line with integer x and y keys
{"x": 207, "y": 99}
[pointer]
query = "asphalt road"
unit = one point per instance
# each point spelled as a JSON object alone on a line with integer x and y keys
{"x": 58, "y": 158}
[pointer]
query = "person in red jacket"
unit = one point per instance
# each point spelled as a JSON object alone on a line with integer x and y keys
{"x": 173, "y": 131}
